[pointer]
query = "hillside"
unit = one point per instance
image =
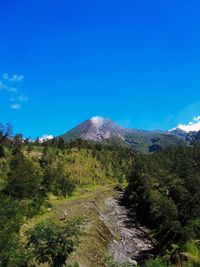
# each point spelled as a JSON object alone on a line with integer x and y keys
{"x": 36, "y": 180}
{"x": 104, "y": 130}
{"x": 64, "y": 203}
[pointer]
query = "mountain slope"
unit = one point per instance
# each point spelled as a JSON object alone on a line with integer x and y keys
{"x": 104, "y": 130}
{"x": 151, "y": 141}
{"x": 189, "y": 138}
{"x": 95, "y": 129}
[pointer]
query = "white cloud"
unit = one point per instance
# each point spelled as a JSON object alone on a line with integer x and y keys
{"x": 97, "y": 120}
{"x": 197, "y": 118}
{"x": 14, "y": 93}
{"x": 193, "y": 125}
{"x": 14, "y": 78}
{"x": 7, "y": 88}
{"x": 15, "y": 106}
{"x": 45, "y": 137}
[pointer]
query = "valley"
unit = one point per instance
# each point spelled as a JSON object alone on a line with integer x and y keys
{"x": 109, "y": 231}
{"x": 131, "y": 242}
{"x": 100, "y": 133}
{"x": 91, "y": 204}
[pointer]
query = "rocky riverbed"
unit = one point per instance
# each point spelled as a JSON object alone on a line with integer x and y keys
{"x": 130, "y": 242}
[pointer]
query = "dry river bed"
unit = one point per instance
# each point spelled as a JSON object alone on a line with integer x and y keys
{"x": 130, "y": 242}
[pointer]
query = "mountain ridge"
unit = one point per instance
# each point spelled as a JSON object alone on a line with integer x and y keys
{"x": 102, "y": 130}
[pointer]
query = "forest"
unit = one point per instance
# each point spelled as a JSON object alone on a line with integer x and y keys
{"x": 30, "y": 174}
{"x": 162, "y": 192}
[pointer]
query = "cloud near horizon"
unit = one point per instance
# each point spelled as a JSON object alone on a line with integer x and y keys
{"x": 193, "y": 125}
{"x": 6, "y": 84}
{"x": 45, "y": 137}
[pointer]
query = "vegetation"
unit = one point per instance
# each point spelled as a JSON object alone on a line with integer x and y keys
{"x": 110, "y": 262}
{"x": 31, "y": 173}
{"x": 52, "y": 243}
{"x": 164, "y": 193}
{"x": 157, "y": 263}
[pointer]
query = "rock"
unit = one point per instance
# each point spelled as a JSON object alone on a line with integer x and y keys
{"x": 133, "y": 240}
{"x": 133, "y": 262}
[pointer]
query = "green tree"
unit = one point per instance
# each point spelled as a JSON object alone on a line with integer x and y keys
{"x": 61, "y": 143}
{"x": 11, "y": 250}
{"x": 17, "y": 145}
{"x": 57, "y": 181}
{"x": 2, "y": 152}
{"x": 52, "y": 242}
{"x": 24, "y": 179}
{"x": 13, "y": 253}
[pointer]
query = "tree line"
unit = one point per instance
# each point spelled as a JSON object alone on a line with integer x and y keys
{"x": 164, "y": 194}
{"x": 32, "y": 171}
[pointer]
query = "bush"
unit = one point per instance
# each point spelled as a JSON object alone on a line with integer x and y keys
{"x": 52, "y": 243}
{"x": 158, "y": 262}
{"x": 24, "y": 179}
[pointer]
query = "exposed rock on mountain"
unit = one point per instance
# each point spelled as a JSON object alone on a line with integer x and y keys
{"x": 96, "y": 129}
{"x": 100, "y": 129}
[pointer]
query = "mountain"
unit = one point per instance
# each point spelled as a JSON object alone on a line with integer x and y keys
{"x": 189, "y": 137}
{"x": 100, "y": 129}
{"x": 191, "y": 126}
{"x": 178, "y": 132}
{"x": 151, "y": 141}
{"x": 96, "y": 129}
{"x": 189, "y": 132}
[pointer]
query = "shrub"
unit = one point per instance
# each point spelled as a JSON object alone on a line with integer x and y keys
{"x": 52, "y": 242}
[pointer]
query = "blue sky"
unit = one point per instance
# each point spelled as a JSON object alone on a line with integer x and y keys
{"x": 137, "y": 62}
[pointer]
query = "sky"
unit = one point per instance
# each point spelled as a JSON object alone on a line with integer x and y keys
{"x": 64, "y": 61}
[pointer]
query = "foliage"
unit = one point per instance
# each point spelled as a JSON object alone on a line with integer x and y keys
{"x": 11, "y": 251}
{"x": 57, "y": 181}
{"x": 158, "y": 262}
{"x": 192, "y": 251}
{"x": 52, "y": 242}
{"x": 24, "y": 178}
{"x": 164, "y": 193}
{"x": 30, "y": 172}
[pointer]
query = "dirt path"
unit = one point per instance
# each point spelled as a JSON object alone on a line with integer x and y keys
{"x": 130, "y": 243}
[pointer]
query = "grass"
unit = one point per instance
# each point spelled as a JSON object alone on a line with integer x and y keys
{"x": 87, "y": 202}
